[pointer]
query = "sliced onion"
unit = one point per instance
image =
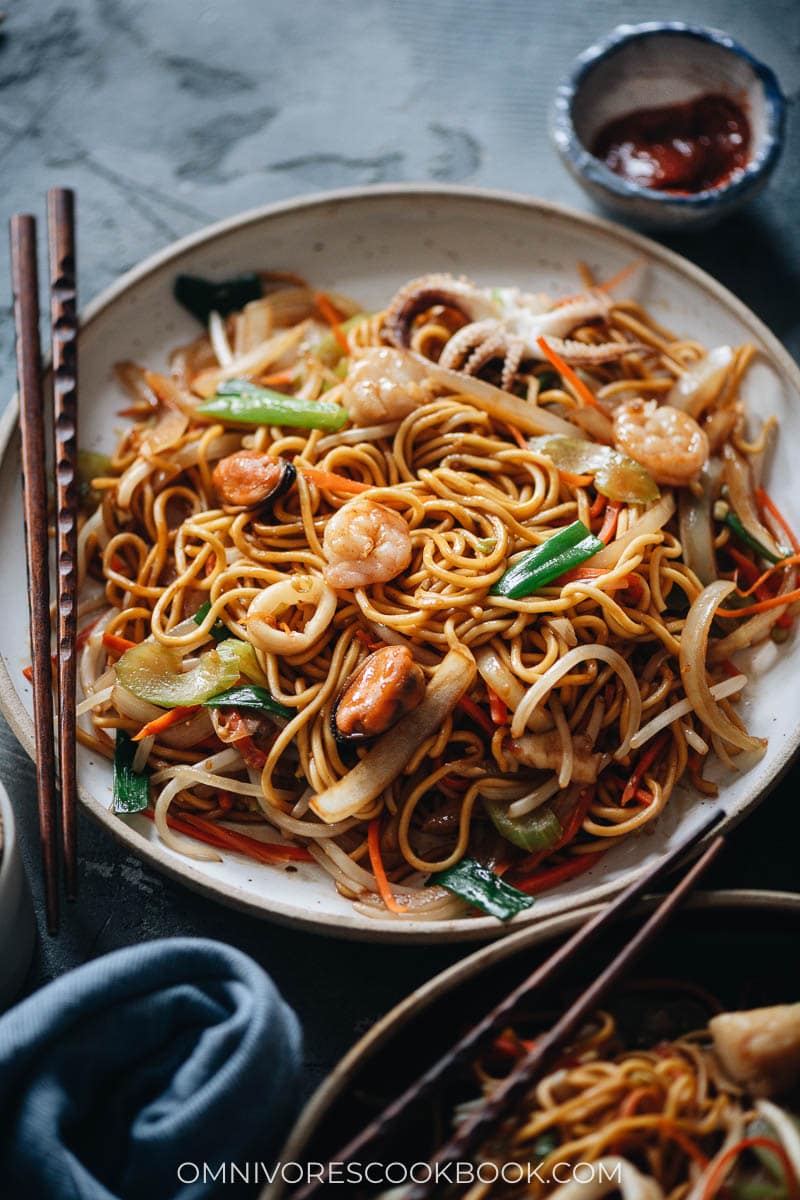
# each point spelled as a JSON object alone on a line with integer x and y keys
{"x": 93, "y": 700}
{"x": 756, "y": 628}
{"x": 720, "y": 691}
{"x": 702, "y": 382}
{"x": 494, "y": 672}
{"x": 181, "y": 845}
{"x": 694, "y": 523}
{"x": 390, "y": 753}
{"x": 654, "y": 519}
{"x": 142, "y": 754}
{"x": 421, "y": 654}
{"x": 693, "y": 657}
{"x": 736, "y": 474}
{"x": 251, "y": 364}
{"x": 186, "y": 733}
{"x": 534, "y": 799}
{"x": 786, "y": 1129}
{"x": 219, "y": 339}
{"x": 594, "y": 650}
{"x": 524, "y": 416}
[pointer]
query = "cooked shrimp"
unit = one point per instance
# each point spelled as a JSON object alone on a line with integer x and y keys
{"x": 760, "y": 1049}
{"x": 248, "y": 478}
{"x": 386, "y": 686}
{"x": 382, "y": 385}
{"x": 667, "y": 442}
{"x": 365, "y": 543}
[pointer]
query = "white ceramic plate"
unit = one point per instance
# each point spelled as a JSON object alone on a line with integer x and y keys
{"x": 367, "y": 242}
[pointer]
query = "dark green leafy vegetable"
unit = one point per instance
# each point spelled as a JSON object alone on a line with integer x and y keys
{"x": 568, "y": 548}
{"x": 131, "y": 789}
{"x": 479, "y": 885}
{"x": 204, "y": 296}
{"x": 250, "y": 696}
{"x": 537, "y": 830}
{"x": 219, "y": 630}
{"x": 240, "y": 402}
{"x": 615, "y": 475}
{"x": 733, "y": 523}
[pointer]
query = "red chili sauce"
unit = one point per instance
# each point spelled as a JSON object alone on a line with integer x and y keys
{"x": 678, "y": 147}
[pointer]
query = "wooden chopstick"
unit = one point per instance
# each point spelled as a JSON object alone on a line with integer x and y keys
{"x": 541, "y": 1055}
{"x": 34, "y": 494}
{"x": 64, "y": 342}
{"x": 546, "y": 973}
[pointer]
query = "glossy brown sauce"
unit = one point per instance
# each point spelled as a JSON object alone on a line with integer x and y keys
{"x": 678, "y": 147}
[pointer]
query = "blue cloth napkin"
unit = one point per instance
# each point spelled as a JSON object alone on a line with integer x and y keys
{"x": 174, "y": 1051}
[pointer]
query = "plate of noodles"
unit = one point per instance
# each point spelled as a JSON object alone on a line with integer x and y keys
{"x": 437, "y": 560}
{"x": 686, "y": 1084}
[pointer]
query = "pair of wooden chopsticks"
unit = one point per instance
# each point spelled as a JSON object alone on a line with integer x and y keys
{"x": 470, "y": 1133}
{"x": 32, "y": 420}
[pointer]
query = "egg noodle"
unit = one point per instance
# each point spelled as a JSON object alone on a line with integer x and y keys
{"x": 530, "y": 733}
{"x": 691, "y": 1117}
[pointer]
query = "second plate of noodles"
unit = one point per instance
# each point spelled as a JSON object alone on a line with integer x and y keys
{"x": 446, "y": 594}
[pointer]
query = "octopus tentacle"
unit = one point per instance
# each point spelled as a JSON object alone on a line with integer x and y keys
{"x": 423, "y": 293}
{"x": 584, "y": 352}
{"x": 515, "y": 353}
{"x": 465, "y": 340}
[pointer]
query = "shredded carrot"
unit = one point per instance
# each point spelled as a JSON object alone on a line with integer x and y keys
{"x": 754, "y": 587}
{"x": 367, "y": 640}
{"x": 171, "y": 717}
{"x": 277, "y": 379}
{"x": 575, "y": 480}
{"x": 117, "y": 645}
{"x": 646, "y": 760}
{"x": 225, "y": 839}
{"x": 378, "y": 869}
{"x": 723, "y": 1165}
{"x": 632, "y": 1101}
{"x": 566, "y": 372}
{"x": 578, "y": 574}
{"x": 577, "y": 817}
{"x": 762, "y": 606}
{"x": 497, "y": 708}
{"x": 28, "y": 673}
{"x": 599, "y": 505}
{"x": 620, "y": 277}
{"x": 766, "y": 502}
{"x": 336, "y": 483}
{"x": 516, "y": 435}
{"x": 744, "y": 563}
{"x": 681, "y": 1139}
{"x": 608, "y": 528}
{"x": 542, "y": 881}
{"x": 332, "y": 317}
{"x": 476, "y": 714}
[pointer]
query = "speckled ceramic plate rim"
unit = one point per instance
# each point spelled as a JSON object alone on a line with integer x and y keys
{"x": 355, "y": 927}
{"x": 473, "y": 965}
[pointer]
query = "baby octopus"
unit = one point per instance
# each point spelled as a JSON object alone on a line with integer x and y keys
{"x": 365, "y": 543}
{"x": 664, "y": 440}
{"x": 503, "y": 323}
{"x": 382, "y": 385}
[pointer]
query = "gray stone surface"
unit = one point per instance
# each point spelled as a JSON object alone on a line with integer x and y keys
{"x": 167, "y": 115}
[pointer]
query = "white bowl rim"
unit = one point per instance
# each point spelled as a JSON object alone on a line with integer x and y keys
{"x": 354, "y": 927}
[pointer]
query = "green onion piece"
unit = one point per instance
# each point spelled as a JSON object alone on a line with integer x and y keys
{"x": 131, "y": 790}
{"x": 219, "y": 630}
{"x": 733, "y": 523}
{"x": 479, "y": 885}
{"x": 250, "y": 696}
{"x": 537, "y": 830}
{"x": 239, "y": 402}
{"x": 204, "y": 296}
{"x": 562, "y": 552}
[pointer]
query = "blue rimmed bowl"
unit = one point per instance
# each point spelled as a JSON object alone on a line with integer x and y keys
{"x": 665, "y": 63}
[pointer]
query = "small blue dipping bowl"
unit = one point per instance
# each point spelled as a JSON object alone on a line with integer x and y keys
{"x": 665, "y": 63}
